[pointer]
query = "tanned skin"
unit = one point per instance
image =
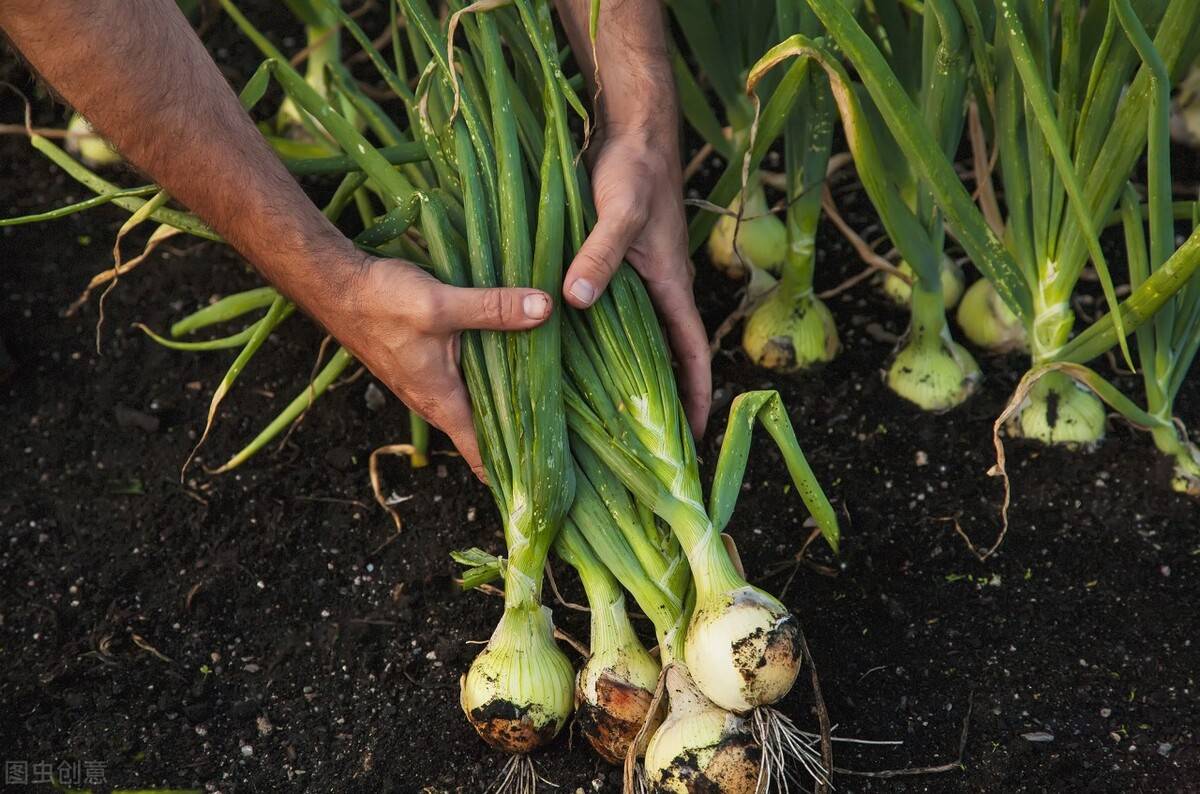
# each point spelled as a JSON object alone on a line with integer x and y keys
{"x": 137, "y": 71}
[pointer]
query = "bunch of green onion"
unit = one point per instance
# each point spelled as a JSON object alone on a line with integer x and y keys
{"x": 626, "y": 425}
{"x": 740, "y": 643}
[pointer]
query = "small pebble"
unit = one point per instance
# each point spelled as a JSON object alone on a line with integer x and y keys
{"x": 130, "y": 418}
{"x": 375, "y": 398}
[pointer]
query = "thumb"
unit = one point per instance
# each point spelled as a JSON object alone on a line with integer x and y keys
{"x": 599, "y": 257}
{"x": 488, "y": 308}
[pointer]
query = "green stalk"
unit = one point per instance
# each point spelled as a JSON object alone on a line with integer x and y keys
{"x": 1038, "y": 97}
{"x": 611, "y": 630}
{"x": 985, "y": 250}
{"x": 80, "y": 206}
{"x": 184, "y": 221}
{"x": 228, "y": 308}
{"x": 606, "y": 531}
{"x": 294, "y": 410}
{"x": 770, "y": 125}
{"x": 792, "y": 328}
{"x": 1140, "y": 306}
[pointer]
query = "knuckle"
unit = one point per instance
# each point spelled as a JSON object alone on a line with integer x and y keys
{"x": 595, "y": 259}
{"x": 625, "y": 211}
{"x": 494, "y": 307}
{"x": 428, "y": 308}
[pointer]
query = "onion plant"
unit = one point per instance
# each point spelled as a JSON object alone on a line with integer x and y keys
{"x": 789, "y": 327}
{"x": 792, "y": 328}
{"x": 929, "y": 369}
{"x": 929, "y": 50}
{"x": 518, "y": 692}
{"x": 930, "y": 53}
{"x": 724, "y": 39}
{"x": 1050, "y": 241}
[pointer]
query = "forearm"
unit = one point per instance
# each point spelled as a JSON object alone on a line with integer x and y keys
{"x": 138, "y": 73}
{"x": 637, "y": 88}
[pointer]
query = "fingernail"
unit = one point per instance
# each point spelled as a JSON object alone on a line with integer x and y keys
{"x": 583, "y": 291}
{"x": 536, "y": 306}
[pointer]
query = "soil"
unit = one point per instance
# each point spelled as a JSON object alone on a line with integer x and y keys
{"x": 269, "y": 630}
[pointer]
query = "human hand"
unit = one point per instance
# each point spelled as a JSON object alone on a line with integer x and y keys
{"x": 404, "y": 325}
{"x": 638, "y": 191}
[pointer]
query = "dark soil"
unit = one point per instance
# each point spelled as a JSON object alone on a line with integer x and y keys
{"x": 267, "y": 630}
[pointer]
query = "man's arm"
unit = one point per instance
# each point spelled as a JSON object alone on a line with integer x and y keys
{"x": 138, "y": 73}
{"x": 637, "y": 182}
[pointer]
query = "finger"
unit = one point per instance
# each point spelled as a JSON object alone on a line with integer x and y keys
{"x": 676, "y": 307}
{"x": 452, "y": 415}
{"x": 489, "y": 308}
{"x": 600, "y": 256}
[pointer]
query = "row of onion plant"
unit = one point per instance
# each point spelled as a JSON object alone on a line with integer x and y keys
{"x": 1071, "y": 151}
{"x": 1167, "y": 344}
{"x": 792, "y": 328}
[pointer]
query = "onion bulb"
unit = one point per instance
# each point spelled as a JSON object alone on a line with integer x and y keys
{"x": 94, "y": 151}
{"x": 761, "y": 237}
{"x": 900, "y": 291}
{"x": 743, "y": 648}
{"x": 517, "y": 694}
{"x": 615, "y": 685}
{"x": 788, "y": 334}
{"x": 936, "y": 374}
{"x": 701, "y": 747}
{"x": 987, "y": 321}
{"x": 1058, "y": 410}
